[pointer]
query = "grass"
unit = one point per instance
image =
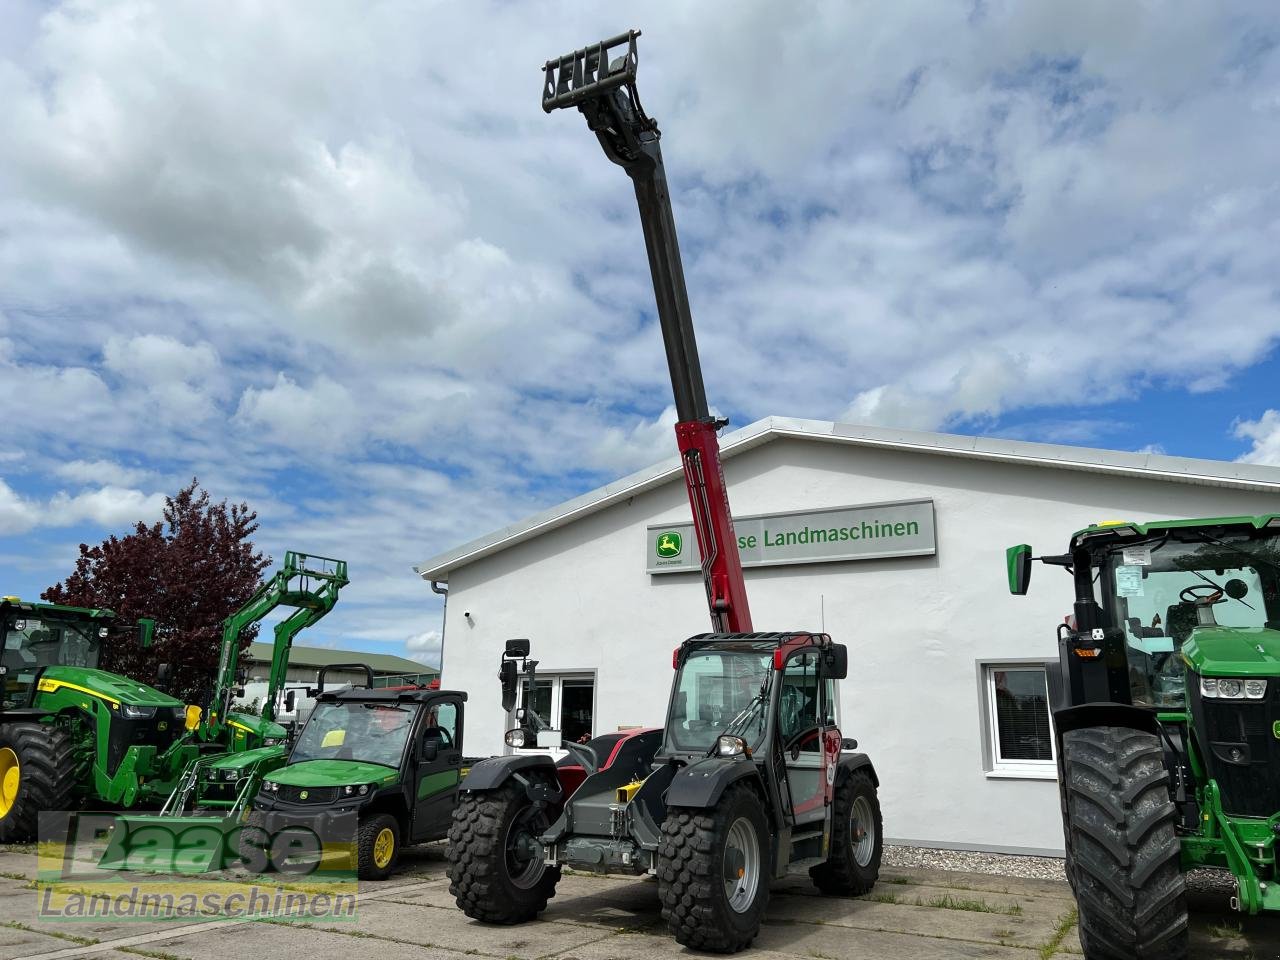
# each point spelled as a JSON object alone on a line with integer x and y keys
{"x": 884, "y": 898}
{"x": 948, "y": 902}
{"x": 1227, "y": 931}
{"x": 10, "y": 875}
{"x": 153, "y": 954}
{"x": 1060, "y": 931}
{"x": 18, "y": 925}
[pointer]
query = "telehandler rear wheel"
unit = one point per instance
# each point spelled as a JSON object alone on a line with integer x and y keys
{"x": 713, "y": 871}
{"x": 38, "y": 771}
{"x": 856, "y": 839}
{"x": 1125, "y": 852}
{"x": 497, "y": 873}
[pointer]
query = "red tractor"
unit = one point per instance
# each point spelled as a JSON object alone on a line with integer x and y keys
{"x": 749, "y": 780}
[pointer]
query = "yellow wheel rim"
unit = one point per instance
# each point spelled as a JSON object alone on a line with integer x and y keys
{"x": 10, "y": 777}
{"x": 384, "y": 845}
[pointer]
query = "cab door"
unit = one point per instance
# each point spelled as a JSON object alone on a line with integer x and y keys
{"x": 808, "y": 735}
{"x": 437, "y": 762}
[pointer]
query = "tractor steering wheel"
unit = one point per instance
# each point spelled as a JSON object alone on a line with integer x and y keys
{"x": 1195, "y": 594}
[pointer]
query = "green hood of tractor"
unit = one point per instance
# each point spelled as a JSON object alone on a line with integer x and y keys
{"x": 333, "y": 773}
{"x": 246, "y": 758}
{"x": 247, "y": 722}
{"x": 109, "y": 686}
{"x": 1233, "y": 651}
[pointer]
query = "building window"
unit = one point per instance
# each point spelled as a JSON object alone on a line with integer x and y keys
{"x": 566, "y": 703}
{"x": 1018, "y": 726}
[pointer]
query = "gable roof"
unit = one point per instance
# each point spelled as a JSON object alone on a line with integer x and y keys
{"x": 1149, "y": 466}
{"x": 383, "y": 664}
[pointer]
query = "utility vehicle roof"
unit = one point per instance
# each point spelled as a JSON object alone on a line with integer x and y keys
{"x": 1117, "y": 530}
{"x": 383, "y": 695}
{"x": 34, "y": 606}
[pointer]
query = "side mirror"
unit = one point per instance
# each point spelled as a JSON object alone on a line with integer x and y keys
{"x": 430, "y": 750}
{"x": 238, "y": 692}
{"x": 507, "y": 674}
{"x": 1018, "y": 561}
{"x": 164, "y": 673}
{"x": 838, "y": 661}
{"x": 517, "y": 648}
{"x": 848, "y": 743}
{"x": 290, "y": 700}
{"x": 146, "y": 632}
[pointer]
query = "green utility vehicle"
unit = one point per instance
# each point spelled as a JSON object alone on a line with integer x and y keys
{"x": 389, "y": 761}
{"x": 69, "y": 731}
{"x": 1166, "y": 708}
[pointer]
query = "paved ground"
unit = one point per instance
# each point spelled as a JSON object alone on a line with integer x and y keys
{"x": 918, "y": 914}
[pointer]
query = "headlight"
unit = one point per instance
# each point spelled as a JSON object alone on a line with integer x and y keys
{"x": 271, "y": 787}
{"x": 731, "y": 746}
{"x": 1233, "y": 688}
{"x": 102, "y": 633}
{"x": 514, "y": 738}
{"x": 273, "y": 741}
{"x": 1255, "y": 689}
{"x": 137, "y": 713}
{"x": 231, "y": 775}
{"x": 1230, "y": 689}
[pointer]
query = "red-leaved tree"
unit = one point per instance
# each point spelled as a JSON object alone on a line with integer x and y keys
{"x": 189, "y": 572}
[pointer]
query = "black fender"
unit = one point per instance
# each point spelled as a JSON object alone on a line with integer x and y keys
{"x": 494, "y": 772}
{"x": 702, "y": 782}
{"x": 24, "y": 715}
{"x": 1103, "y": 714}
{"x": 849, "y": 762}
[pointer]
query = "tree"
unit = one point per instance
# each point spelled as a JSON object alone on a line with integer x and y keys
{"x": 189, "y": 572}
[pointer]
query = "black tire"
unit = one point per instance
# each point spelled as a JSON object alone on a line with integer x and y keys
{"x": 1125, "y": 851}
{"x": 490, "y": 876}
{"x": 842, "y": 873}
{"x": 45, "y": 777}
{"x": 372, "y": 834}
{"x": 253, "y": 843}
{"x": 692, "y": 864}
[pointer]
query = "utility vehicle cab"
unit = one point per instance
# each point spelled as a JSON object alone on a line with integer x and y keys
{"x": 389, "y": 759}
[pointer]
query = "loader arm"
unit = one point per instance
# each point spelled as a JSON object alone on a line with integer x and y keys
{"x": 308, "y": 583}
{"x": 605, "y": 93}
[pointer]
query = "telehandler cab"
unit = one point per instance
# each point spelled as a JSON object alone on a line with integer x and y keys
{"x": 1166, "y": 708}
{"x": 749, "y": 779}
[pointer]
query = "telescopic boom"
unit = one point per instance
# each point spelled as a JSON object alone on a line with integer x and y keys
{"x": 605, "y": 93}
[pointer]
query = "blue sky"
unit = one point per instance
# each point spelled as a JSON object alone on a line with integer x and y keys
{"x": 335, "y": 261}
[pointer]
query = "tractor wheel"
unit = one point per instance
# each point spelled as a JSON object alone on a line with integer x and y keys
{"x": 713, "y": 871}
{"x": 497, "y": 872}
{"x": 38, "y": 771}
{"x": 377, "y": 846}
{"x": 856, "y": 839}
{"x": 1125, "y": 853}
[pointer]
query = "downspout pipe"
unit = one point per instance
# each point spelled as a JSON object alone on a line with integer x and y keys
{"x": 442, "y": 588}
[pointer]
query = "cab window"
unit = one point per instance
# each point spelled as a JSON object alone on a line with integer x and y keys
{"x": 800, "y": 703}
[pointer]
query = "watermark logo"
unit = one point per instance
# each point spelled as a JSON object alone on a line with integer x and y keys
{"x": 669, "y": 545}
{"x": 94, "y": 866}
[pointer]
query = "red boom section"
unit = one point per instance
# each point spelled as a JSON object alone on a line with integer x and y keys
{"x": 713, "y": 524}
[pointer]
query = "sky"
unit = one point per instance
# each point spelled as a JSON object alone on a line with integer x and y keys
{"x": 333, "y": 259}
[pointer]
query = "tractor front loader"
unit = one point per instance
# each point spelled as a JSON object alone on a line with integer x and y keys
{"x": 1166, "y": 708}
{"x": 749, "y": 780}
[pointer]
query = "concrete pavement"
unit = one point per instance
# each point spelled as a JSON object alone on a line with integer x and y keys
{"x": 930, "y": 915}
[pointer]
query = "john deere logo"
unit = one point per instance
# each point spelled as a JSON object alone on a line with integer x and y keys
{"x": 1275, "y": 729}
{"x": 303, "y": 795}
{"x": 669, "y": 545}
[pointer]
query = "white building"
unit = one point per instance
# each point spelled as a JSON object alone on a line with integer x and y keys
{"x": 944, "y": 692}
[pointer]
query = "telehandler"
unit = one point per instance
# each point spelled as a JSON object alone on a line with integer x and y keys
{"x": 1166, "y": 712}
{"x": 750, "y": 778}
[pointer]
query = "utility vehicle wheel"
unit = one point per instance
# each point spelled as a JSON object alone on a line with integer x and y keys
{"x": 38, "y": 771}
{"x": 1125, "y": 854}
{"x": 254, "y": 843}
{"x": 856, "y": 839}
{"x": 497, "y": 871}
{"x": 713, "y": 871}
{"x": 377, "y": 846}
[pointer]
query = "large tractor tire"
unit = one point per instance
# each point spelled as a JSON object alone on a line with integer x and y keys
{"x": 38, "y": 771}
{"x": 857, "y": 839}
{"x": 497, "y": 872}
{"x": 713, "y": 871}
{"x": 1125, "y": 851}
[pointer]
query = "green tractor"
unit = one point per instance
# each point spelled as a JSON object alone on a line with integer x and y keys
{"x": 1166, "y": 709}
{"x": 69, "y": 731}
{"x": 388, "y": 761}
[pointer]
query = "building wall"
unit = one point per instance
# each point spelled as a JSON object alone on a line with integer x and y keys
{"x": 916, "y": 628}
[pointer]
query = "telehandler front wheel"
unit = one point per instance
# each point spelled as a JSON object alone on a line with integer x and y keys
{"x": 38, "y": 771}
{"x": 497, "y": 871}
{"x": 856, "y": 839}
{"x": 1125, "y": 853}
{"x": 713, "y": 871}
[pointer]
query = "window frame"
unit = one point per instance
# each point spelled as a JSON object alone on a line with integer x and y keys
{"x": 557, "y": 680}
{"x": 994, "y": 765}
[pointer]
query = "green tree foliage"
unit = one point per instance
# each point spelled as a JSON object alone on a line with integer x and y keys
{"x": 189, "y": 572}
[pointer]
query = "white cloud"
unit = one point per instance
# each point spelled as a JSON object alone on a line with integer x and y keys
{"x": 17, "y": 515}
{"x": 424, "y": 647}
{"x": 1265, "y": 436}
{"x": 109, "y": 507}
{"x": 100, "y": 471}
